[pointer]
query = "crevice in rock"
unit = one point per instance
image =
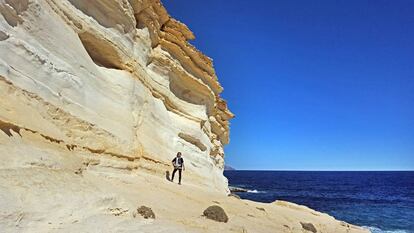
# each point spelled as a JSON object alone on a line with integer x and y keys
{"x": 153, "y": 160}
{"x": 51, "y": 139}
{"x": 190, "y": 91}
{"x": 103, "y": 151}
{"x": 100, "y": 50}
{"x": 71, "y": 147}
{"x": 193, "y": 90}
{"x": 7, "y": 128}
{"x": 195, "y": 141}
{"x": 3, "y": 36}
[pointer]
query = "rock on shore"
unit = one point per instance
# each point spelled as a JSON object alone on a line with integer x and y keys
{"x": 96, "y": 97}
{"x": 235, "y": 189}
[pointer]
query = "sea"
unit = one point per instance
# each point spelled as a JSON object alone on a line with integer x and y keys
{"x": 380, "y": 201}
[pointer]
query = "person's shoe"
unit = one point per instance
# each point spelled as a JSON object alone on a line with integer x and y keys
{"x": 179, "y": 183}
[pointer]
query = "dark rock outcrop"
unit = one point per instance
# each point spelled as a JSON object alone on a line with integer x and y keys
{"x": 146, "y": 212}
{"x": 308, "y": 226}
{"x": 234, "y": 189}
{"x": 216, "y": 213}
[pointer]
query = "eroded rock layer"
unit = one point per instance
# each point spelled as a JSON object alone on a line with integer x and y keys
{"x": 115, "y": 78}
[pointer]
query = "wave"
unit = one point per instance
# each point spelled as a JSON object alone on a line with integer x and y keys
{"x": 255, "y": 191}
{"x": 378, "y": 230}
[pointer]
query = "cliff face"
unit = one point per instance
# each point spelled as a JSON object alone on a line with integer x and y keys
{"x": 113, "y": 82}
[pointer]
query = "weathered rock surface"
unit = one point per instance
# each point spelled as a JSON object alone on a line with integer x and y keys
{"x": 96, "y": 97}
{"x": 116, "y": 79}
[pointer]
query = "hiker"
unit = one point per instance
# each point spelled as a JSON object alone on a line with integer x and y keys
{"x": 178, "y": 163}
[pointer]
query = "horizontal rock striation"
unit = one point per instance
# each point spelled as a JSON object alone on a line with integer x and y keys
{"x": 115, "y": 78}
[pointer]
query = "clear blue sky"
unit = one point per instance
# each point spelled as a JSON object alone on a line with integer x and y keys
{"x": 315, "y": 85}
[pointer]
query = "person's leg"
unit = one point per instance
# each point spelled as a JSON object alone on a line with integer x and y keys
{"x": 179, "y": 176}
{"x": 172, "y": 178}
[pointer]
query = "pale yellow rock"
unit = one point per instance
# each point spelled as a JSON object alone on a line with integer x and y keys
{"x": 96, "y": 98}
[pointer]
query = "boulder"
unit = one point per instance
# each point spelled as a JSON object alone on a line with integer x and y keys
{"x": 146, "y": 212}
{"x": 216, "y": 213}
{"x": 308, "y": 226}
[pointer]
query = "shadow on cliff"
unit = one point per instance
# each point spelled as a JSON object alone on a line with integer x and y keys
{"x": 7, "y": 128}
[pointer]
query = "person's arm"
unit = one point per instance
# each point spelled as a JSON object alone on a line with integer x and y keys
{"x": 183, "y": 165}
{"x": 172, "y": 162}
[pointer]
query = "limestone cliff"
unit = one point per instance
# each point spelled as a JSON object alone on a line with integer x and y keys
{"x": 113, "y": 79}
{"x": 96, "y": 98}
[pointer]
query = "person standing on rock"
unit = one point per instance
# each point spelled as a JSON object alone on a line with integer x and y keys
{"x": 178, "y": 163}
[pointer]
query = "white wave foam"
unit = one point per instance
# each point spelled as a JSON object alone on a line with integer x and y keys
{"x": 378, "y": 230}
{"x": 255, "y": 191}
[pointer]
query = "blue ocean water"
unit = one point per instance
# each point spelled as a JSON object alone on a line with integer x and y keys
{"x": 381, "y": 201}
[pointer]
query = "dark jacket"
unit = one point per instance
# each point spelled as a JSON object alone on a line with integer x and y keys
{"x": 178, "y": 162}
